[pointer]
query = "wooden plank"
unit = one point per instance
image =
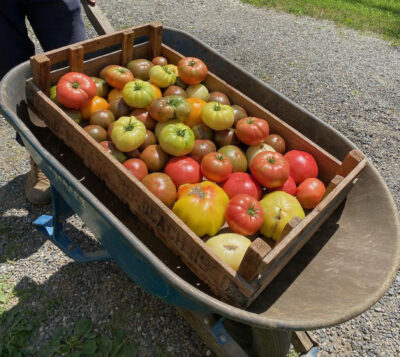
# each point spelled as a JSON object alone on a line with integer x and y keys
{"x": 352, "y": 159}
{"x": 289, "y": 227}
{"x": 327, "y": 163}
{"x": 249, "y": 267}
{"x": 301, "y": 341}
{"x": 334, "y": 182}
{"x": 96, "y": 17}
{"x": 128, "y": 38}
{"x": 40, "y": 66}
{"x": 76, "y": 58}
{"x": 155, "y": 38}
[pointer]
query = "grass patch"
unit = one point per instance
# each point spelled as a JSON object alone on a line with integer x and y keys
{"x": 379, "y": 16}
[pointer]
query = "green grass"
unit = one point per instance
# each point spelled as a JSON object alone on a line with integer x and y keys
{"x": 379, "y": 16}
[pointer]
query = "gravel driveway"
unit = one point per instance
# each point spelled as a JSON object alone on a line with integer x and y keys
{"x": 348, "y": 79}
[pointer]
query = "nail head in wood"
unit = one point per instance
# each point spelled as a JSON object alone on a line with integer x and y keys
{"x": 128, "y": 38}
{"x": 76, "y": 58}
{"x": 40, "y": 65}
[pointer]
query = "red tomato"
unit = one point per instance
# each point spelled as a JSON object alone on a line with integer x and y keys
{"x": 162, "y": 61}
{"x": 310, "y": 192}
{"x": 183, "y": 169}
{"x": 192, "y": 70}
{"x": 270, "y": 169}
{"x": 75, "y": 89}
{"x": 137, "y": 167}
{"x": 289, "y": 186}
{"x": 216, "y": 167}
{"x": 252, "y": 131}
{"x": 244, "y": 214}
{"x": 118, "y": 76}
{"x": 302, "y": 165}
{"x": 161, "y": 186}
{"x": 242, "y": 183}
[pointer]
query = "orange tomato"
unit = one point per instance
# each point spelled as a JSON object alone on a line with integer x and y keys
{"x": 114, "y": 93}
{"x": 95, "y": 104}
{"x": 157, "y": 91}
{"x": 196, "y": 105}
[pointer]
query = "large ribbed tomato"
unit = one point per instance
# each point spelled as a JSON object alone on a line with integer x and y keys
{"x": 242, "y": 183}
{"x": 252, "y": 131}
{"x": 192, "y": 70}
{"x": 183, "y": 169}
{"x": 118, "y": 76}
{"x": 302, "y": 165}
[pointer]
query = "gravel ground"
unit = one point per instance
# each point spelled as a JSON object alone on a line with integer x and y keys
{"x": 348, "y": 79}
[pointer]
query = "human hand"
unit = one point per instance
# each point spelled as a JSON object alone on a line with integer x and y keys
{"x": 92, "y": 2}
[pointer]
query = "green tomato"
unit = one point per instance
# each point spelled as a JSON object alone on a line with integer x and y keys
{"x": 197, "y": 91}
{"x": 170, "y": 107}
{"x": 161, "y": 126}
{"x": 138, "y": 93}
{"x": 102, "y": 86}
{"x": 128, "y": 133}
{"x": 177, "y": 139}
{"x": 217, "y": 116}
{"x": 53, "y": 95}
{"x": 162, "y": 76}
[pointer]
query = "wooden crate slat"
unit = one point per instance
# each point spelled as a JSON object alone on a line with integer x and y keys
{"x": 155, "y": 38}
{"x": 40, "y": 66}
{"x": 128, "y": 38}
{"x": 76, "y": 58}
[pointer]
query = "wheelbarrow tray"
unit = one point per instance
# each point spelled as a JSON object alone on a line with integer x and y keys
{"x": 282, "y": 304}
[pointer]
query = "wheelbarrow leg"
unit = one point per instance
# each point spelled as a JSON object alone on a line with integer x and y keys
{"x": 270, "y": 343}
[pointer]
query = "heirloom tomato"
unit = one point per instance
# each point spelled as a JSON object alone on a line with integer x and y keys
{"x": 174, "y": 90}
{"x": 236, "y": 156}
{"x": 216, "y": 167}
{"x": 102, "y": 74}
{"x": 252, "y": 151}
{"x": 173, "y": 68}
{"x": 226, "y": 137}
{"x": 289, "y": 186}
{"x": 96, "y": 132}
{"x": 277, "y": 142}
{"x": 192, "y": 70}
{"x": 109, "y": 147}
{"x": 239, "y": 113}
{"x": 160, "y": 126}
{"x": 114, "y": 93}
{"x": 217, "y": 116}
{"x": 202, "y": 131}
{"x": 202, "y": 207}
{"x": 144, "y": 116}
{"x": 196, "y": 106}
{"x": 157, "y": 91}
{"x": 244, "y": 214}
{"x": 201, "y": 148}
{"x": 53, "y": 95}
{"x": 197, "y": 91}
{"x": 177, "y": 139}
{"x": 162, "y": 76}
{"x": 102, "y": 86}
{"x": 150, "y": 139}
{"x": 161, "y": 61}
{"x": 128, "y": 133}
{"x": 310, "y": 192}
{"x": 140, "y": 68}
{"x": 183, "y": 169}
{"x": 74, "y": 114}
{"x": 302, "y": 165}
{"x": 242, "y": 183}
{"x": 102, "y": 117}
{"x": 270, "y": 169}
{"x": 75, "y": 89}
{"x": 161, "y": 186}
{"x": 119, "y": 107}
{"x": 138, "y": 93}
{"x": 218, "y": 97}
{"x": 252, "y": 131}
{"x": 118, "y": 76}
{"x": 93, "y": 105}
{"x": 136, "y": 167}
{"x": 170, "y": 107}
{"x": 154, "y": 157}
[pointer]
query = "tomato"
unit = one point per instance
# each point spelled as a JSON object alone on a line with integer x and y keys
{"x": 179, "y": 83}
{"x": 144, "y": 116}
{"x": 162, "y": 76}
{"x": 140, "y": 68}
{"x": 109, "y": 147}
{"x": 201, "y": 148}
{"x": 161, "y": 126}
{"x": 96, "y": 132}
{"x": 198, "y": 91}
{"x": 239, "y": 113}
{"x": 136, "y": 167}
{"x": 114, "y": 93}
{"x": 102, "y": 117}
{"x": 217, "y": 116}
{"x": 252, "y": 131}
{"x": 218, "y": 97}
{"x": 173, "y": 68}
{"x": 154, "y": 157}
{"x": 270, "y": 169}
{"x": 202, "y": 207}
{"x": 128, "y": 133}
{"x": 244, "y": 214}
{"x": 216, "y": 167}
{"x": 289, "y": 186}
{"x": 135, "y": 154}
{"x": 174, "y": 90}
{"x": 196, "y": 106}
{"x": 202, "y": 131}
{"x": 150, "y": 139}
{"x": 302, "y": 165}
{"x": 236, "y": 156}
{"x": 170, "y": 107}
{"x": 230, "y": 248}
{"x": 75, "y": 89}
{"x": 102, "y": 74}
{"x": 74, "y": 114}
{"x": 118, "y": 76}
{"x": 226, "y": 137}
{"x": 252, "y": 151}
{"x": 177, "y": 139}
{"x": 161, "y": 186}
{"x": 242, "y": 183}
{"x": 183, "y": 170}
{"x": 93, "y": 105}
{"x": 119, "y": 107}
{"x": 310, "y": 192}
{"x": 157, "y": 91}
{"x": 277, "y": 142}
{"x": 138, "y": 93}
{"x": 109, "y": 130}
{"x": 102, "y": 86}
{"x": 53, "y": 95}
{"x": 161, "y": 61}
{"x": 192, "y": 70}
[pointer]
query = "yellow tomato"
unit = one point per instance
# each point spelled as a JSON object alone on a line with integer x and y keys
{"x": 196, "y": 105}
{"x": 173, "y": 68}
{"x": 93, "y": 105}
{"x": 114, "y": 93}
{"x": 157, "y": 91}
{"x": 202, "y": 207}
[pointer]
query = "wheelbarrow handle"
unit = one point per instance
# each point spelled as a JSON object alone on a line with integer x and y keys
{"x": 98, "y": 20}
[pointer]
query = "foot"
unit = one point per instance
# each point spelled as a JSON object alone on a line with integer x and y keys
{"x": 37, "y": 187}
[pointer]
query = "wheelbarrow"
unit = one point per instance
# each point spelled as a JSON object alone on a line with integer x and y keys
{"x": 320, "y": 287}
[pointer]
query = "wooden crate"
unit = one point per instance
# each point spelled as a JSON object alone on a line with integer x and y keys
{"x": 263, "y": 259}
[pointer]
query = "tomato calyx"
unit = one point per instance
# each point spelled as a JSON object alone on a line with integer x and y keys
{"x": 166, "y": 69}
{"x": 197, "y": 191}
{"x": 137, "y": 87}
{"x": 271, "y": 160}
{"x": 173, "y": 102}
{"x": 219, "y": 157}
{"x": 130, "y": 126}
{"x": 122, "y": 70}
{"x": 217, "y": 106}
{"x": 75, "y": 85}
{"x": 250, "y": 120}
{"x": 181, "y": 132}
{"x": 192, "y": 63}
{"x": 252, "y": 211}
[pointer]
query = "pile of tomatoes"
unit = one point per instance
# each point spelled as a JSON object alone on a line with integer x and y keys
{"x": 195, "y": 150}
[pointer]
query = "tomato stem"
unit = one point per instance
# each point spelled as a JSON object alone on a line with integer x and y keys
{"x": 138, "y": 86}
{"x": 271, "y": 160}
{"x": 130, "y": 126}
{"x": 75, "y": 85}
{"x": 252, "y": 211}
{"x": 166, "y": 69}
{"x": 219, "y": 156}
{"x": 181, "y": 132}
{"x": 217, "y": 106}
{"x": 191, "y": 63}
